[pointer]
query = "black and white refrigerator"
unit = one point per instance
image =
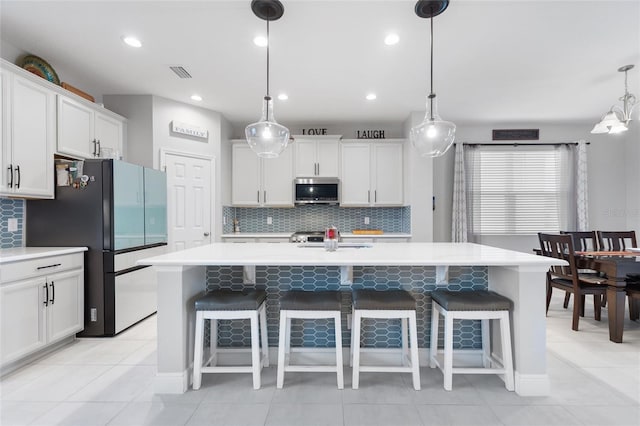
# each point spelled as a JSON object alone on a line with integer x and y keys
{"x": 119, "y": 211}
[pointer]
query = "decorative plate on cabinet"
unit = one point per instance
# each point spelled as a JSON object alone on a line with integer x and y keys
{"x": 39, "y": 67}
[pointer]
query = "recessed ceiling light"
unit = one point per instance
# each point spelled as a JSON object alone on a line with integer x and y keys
{"x": 260, "y": 41}
{"x": 371, "y": 96}
{"x": 283, "y": 96}
{"x": 196, "y": 98}
{"x": 132, "y": 41}
{"x": 391, "y": 39}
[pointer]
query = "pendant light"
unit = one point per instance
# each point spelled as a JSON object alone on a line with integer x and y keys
{"x": 617, "y": 119}
{"x": 434, "y": 136}
{"x": 266, "y": 137}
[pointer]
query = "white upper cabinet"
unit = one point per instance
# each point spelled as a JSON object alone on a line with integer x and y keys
{"x": 83, "y": 130}
{"x": 259, "y": 181}
{"x": 317, "y": 156}
{"x": 28, "y": 136}
{"x": 372, "y": 174}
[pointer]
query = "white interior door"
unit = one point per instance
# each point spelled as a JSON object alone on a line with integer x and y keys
{"x": 189, "y": 195}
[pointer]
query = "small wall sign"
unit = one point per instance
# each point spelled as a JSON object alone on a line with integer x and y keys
{"x": 312, "y": 131}
{"x": 370, "y": 134}
{"x": 189, "y": 130}
{"x": 516, "y": 134}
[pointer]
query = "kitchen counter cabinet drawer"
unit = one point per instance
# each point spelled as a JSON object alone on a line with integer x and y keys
{"x": 40, "y": 267}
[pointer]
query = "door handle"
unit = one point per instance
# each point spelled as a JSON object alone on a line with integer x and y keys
{"x": 95, "y": 144}
{"x": 46, "y": 295}
{"x": 19, "y": 177}
{"x": 53, "y": 293}
{"x": 258, "y": 193}
{"x": 99, "y": 149}
{"x": 375, "y": 196}
{"x": 10, "y": 169}
{"x": 369, "y": 196}
{"x": 206, "y": 234}
{"x": 264, "y": 197}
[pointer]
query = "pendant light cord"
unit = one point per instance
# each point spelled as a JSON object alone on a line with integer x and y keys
{"x": 268, "y": 43}
{"x": 431, "y": 95}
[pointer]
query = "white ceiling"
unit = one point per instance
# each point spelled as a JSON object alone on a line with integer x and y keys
{"x": 499, "y": 61}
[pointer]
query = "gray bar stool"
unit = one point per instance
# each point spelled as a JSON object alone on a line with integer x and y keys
{"x": 227, "y": 304}
{"x": 308, "y": 305}
{"x": 479, "y": 305}
{"x": 392, "y": 304}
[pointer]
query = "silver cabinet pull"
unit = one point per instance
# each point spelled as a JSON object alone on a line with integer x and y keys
{"x": 48, "y": 266}
{"x": 17, "y": 170}
{"x": 369, "y": 196}
{"x": 264, "y": 197}
{"x": 375, "y": 196}
{"x": 258, "y": 196}
{"x": 53, "y": 293}
{"x": 46, "y": 294}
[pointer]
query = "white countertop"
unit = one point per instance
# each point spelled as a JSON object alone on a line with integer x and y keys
{"x": 257, "y": 235}
{"x": 288, "y": 234}
{"x": 414, "y": 254}
{"x": 27, "y": 253}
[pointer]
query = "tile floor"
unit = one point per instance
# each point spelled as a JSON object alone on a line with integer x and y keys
{"x": 110, "y": 382}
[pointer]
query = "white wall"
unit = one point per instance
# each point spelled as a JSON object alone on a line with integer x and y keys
{"x": 632, "y": 157}
{"x": 419, "y": 178}
{"x": 606, "y": 170}
{"x": 138, "y": 109}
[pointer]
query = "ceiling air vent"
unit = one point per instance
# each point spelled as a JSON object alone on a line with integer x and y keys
{"x": 180, "y": 72}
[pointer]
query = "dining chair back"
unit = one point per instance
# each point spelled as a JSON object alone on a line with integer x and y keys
{"x": 583, "y": 240}
{"x": 567, "y": 278}
{"x": 616, "y": 240}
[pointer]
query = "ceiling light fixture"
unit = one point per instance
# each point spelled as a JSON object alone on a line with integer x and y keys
{"x": 617, "y": 119}
{"x": 433, "y": 137}
{"x": 196, "y": 98}
{"x": 132, "y": 41}
{"x": 266, "y": 137}
{"x": 371, "y": 96}
{"x": 260, "y": 41}
{"x": 391, "y": 39}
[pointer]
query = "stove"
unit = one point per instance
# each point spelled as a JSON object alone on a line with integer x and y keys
{"x": 307, "y": 237}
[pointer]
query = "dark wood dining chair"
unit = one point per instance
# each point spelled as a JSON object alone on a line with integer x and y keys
{"x": 582, "y": 241}
{"x": 567, "y": 278}
{"x": 616, "y": 240}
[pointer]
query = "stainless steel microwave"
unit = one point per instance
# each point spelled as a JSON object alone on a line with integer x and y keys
{"x": 316, "y": 190}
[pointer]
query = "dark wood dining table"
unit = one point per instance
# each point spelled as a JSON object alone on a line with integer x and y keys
{"x": 616, "y": 267}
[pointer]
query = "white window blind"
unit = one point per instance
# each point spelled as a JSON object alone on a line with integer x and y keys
{"x": 518, "y": 190}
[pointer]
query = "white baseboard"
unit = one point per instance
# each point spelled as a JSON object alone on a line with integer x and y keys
{"x": 532, "y": 384}
{"x": 175, "y": 383}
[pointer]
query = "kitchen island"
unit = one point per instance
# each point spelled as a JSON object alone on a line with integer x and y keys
{"x": 519, "y": 276}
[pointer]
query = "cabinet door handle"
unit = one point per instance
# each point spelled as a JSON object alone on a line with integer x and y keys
{"x": 95, "y": 144}
{"x": 46, "y": 294}
{"x": 10, "y": 169}
{"x": 19, "y": 177}
{"x": 264, "y": 196}
{"x": 375, "y": 196}
{"x": 49, "y": 266}
{"x": 318, "y": 169}
{"x": 99, "y": 149}
{"x": 53, "y": 293}
{"x": 206, "y": 234}
{"x": 369, "y": 196}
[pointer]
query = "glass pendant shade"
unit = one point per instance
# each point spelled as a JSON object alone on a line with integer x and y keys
{"x": 610, "y": 123}
{"x": 434, "y": 136}
{"x": 266, "y": 137}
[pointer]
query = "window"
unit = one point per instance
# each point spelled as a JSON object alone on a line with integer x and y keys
{"x": 518, "y": 190}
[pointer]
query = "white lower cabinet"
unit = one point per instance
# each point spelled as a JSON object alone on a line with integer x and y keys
{"x": 40, "y": 303}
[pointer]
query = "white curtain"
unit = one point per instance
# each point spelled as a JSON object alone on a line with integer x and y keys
{"x": 459, "y": 210}
{"x": 581, "y": 187}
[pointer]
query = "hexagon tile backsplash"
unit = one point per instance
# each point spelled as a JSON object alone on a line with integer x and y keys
{"x": 11, "y": 209}
{"x": 419, "y": 280}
